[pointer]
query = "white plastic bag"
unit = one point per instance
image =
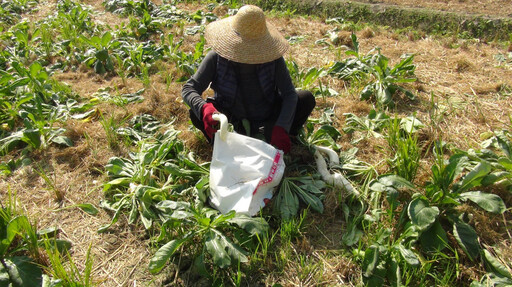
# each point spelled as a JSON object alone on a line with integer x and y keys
{"x": 243, "y": 171}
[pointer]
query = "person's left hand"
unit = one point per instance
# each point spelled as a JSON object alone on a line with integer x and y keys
{"x": 280, "y": 139}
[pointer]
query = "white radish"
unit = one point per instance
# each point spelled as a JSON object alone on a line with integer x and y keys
{"x": 335, "y": 179}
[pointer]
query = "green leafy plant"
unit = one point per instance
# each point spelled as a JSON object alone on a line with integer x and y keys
{"x": 384, "y": 80}
{"x": 139, "y": 201}
{"x": 325, "y": 135}
{"x": 140, "y": 127}
{"x": 201, "y": 17}
{"x": 146, "y": 25}
{"x": 72, "y": 21}
{"x": 135, "y": 186}
{"x": 186, "y": 63}
{"x": 99, "y": 55}
{"x": 135, "y": 57}
{"x": 45, "y": 36}
{"x": 8, "y": 167}
{"x": 383, "y": 261}
{"x": 20, "y": 45}
{"x": 160, "y": 170}
{"x": 292, "y": 228}
{"x": 415, "y": 222}
{"x": 148, "y": 164}
{"x": 129, "y": 7}
{"x": 20, "y": 6}
{"x": 310, "y": 79}
{"x": 208, "y": 227}
{"x": 34, "y": 108}
{"x": 390, "y": 248}
{"x": 74, "y": 109}
{"x": 105, "y": 95}
{"x": 427, "y": 218}
{"x": 35, "y": 77}
{"x": 110, "y": 126}
{"x": 492, "y": 279}
{"x": 497, "y": 151}
{"x": 293, "y": 191}
{"x": 353, "y": 213}
{"x": 37, "y": 134}
{"x": 10, "y": 102}
{"x": 370, "y": 125}
{"x": 304, "y": 79}
{"x": 498, "y": 273}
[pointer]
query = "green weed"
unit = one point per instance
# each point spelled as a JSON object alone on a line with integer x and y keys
{"x": 292, "y": 228}
{"x": 403, "y": 144}
{"x": 51, "y": 184}
{"x": 110, "y": 126}
{"x": 21, "y": 246}
{"x": 67, "y": 273}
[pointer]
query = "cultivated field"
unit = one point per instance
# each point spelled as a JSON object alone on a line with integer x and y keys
{"x": 87, "y": 90}
{"x": 490, "y": 8}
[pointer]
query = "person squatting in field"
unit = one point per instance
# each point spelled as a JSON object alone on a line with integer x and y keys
{"x": 252, "y": 84}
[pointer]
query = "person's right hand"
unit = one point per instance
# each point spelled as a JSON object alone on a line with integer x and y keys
{"x": 210, "y": 125}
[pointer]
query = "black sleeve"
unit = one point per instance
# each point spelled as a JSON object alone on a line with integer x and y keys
{"x": 288, "y": 94}
{"x": 193, "y": 89}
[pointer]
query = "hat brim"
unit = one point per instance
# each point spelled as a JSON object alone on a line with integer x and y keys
{"x": 230, "y": 45}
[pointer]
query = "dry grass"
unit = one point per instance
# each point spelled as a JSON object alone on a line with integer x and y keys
{"x": 501, "y": 8}
{"x": 463, "y": 78}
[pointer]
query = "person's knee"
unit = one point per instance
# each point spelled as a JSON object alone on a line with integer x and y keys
{"x": 307, "y": 100}
{"x": 311, "y": 100}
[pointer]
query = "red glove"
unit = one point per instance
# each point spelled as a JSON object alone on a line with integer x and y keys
{"x": 280, "y": 139}
{"x": 210, "y": 125}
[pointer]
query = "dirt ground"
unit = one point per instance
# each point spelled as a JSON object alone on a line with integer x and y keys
{"x": 462, "y": 90}
{"x": 495, "y": 8}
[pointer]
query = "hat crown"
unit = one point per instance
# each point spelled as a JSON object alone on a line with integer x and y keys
{"x": 246, "y": 37}
{"x": 250, "y": 22}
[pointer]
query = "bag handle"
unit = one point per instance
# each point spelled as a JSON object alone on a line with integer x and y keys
{"x": 223, "y": 125}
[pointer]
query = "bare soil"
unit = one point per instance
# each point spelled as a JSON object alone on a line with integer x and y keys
{"x": 498, "y": 8}
{"x": 462, "y": 91}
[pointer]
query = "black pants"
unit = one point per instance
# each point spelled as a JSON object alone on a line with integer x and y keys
{"x": 305, "y": 105}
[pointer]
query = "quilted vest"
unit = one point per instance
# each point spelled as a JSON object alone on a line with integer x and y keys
{"x": 225, "y": 81}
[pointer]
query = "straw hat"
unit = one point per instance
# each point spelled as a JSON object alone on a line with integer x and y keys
{"x": 246, "y": 37}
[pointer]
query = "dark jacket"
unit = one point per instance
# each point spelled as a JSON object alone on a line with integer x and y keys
{"x": 258, "y": 93}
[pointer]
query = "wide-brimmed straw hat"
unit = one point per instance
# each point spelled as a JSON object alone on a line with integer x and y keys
{"x": 246, "y": 37}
